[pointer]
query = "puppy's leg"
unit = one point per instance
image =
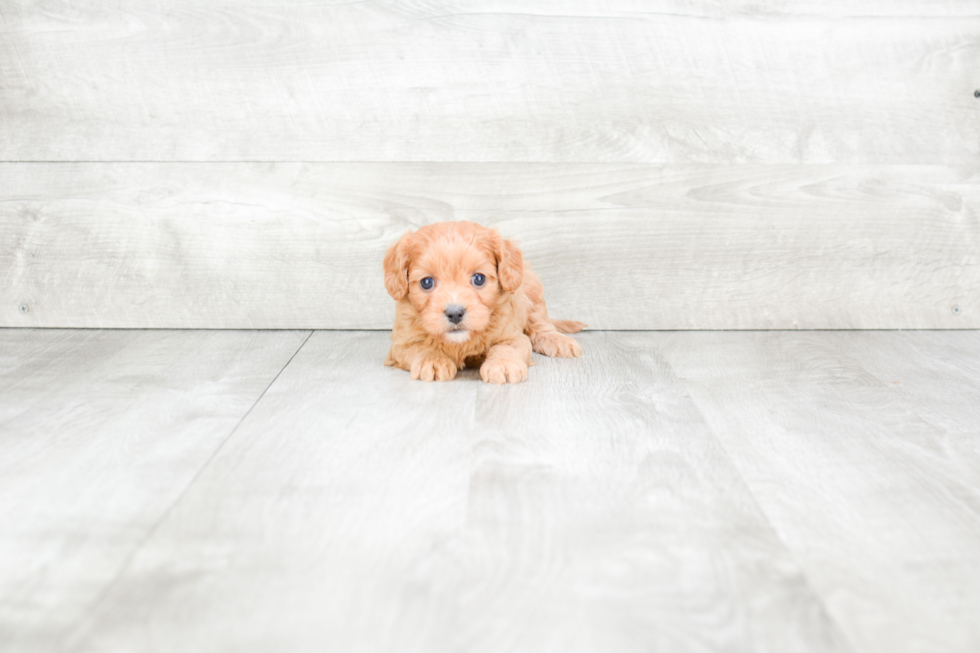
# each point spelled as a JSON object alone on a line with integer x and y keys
{"x": 545, "y": 337}
{"x": 424, "y": 364}
{"x": 433, "y": 366}
{"x": 551, "y": 343}
{"x": 507, "y": 361}
{"x": 544, "y": 333}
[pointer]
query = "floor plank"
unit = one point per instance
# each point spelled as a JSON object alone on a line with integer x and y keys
{"x": 588, "y": 509}
{"x": 604, "y": 516}
{"x": 100, "y": 434}
{"x": 863, "y": 449}
{"x": 732, "y": 491}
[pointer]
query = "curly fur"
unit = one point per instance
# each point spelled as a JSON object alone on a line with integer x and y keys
{"x": 504, "y": 321}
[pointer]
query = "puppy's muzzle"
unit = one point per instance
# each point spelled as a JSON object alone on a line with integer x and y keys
{"x": 455, "y": 313}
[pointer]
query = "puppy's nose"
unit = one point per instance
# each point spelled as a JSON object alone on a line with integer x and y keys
{"x": 455, "y": 313}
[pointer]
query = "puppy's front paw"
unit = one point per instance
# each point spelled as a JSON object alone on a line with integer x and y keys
{"x": 503, "y": 370}
{"x": 557, "y": 345}
{"x": 433, "y": 367}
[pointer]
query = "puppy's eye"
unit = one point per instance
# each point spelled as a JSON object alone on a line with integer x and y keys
{"x": 427, "y": 283}
{"x": 479, "y": 279}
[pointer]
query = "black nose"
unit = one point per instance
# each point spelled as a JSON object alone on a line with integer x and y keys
{"x": 455, "y": 313}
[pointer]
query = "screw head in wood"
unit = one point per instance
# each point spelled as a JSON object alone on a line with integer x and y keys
{"x": 956, "y": 309}
{"x": 23, "y": 308}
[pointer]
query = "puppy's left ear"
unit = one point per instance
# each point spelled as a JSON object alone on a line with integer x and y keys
{"x": 510, "y": 262}
{"x": 396, "y": 268}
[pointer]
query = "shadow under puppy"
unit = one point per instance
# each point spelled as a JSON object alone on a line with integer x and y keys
{"x": 467, "y": 299}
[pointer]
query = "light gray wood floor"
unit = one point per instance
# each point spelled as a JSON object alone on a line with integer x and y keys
{"x": 686, "y": 491}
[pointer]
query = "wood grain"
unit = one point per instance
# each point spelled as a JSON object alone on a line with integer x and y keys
{"x": 100, "y": 434}
{"x": 356, "y": 510}
{"x": 768, "y": 82}
{"x": 861, "y": 448}
{"x": 626, "y": 246}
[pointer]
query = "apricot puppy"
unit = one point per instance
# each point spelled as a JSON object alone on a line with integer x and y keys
{"x": 466, "y": 298}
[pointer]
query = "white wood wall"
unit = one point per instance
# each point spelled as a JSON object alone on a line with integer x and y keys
{"x": 665, "y": 163}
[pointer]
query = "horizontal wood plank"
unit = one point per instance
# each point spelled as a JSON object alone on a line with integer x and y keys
{"x": 101, "y": 432}
{"x": 356, "y": 510}
{"x": 619, "y": 246}
{"x": 767, "y": 82}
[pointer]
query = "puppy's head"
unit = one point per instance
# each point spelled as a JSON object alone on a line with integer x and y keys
{"x": 453, "y": 273}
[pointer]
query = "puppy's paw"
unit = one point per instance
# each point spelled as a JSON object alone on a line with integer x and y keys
{"x": 503, "y": 370}
{"x": 433, "y": 367}
{"x": 556, "y": 345}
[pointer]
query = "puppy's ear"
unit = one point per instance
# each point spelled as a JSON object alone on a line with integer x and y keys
{"x": 396, "y": 267}
{"x": 510, "y": 262}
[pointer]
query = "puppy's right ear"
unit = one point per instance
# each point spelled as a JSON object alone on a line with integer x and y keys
{"x": 396, "y": 267}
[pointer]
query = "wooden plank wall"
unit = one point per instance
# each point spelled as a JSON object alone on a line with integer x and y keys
{"x": 665, "y": 163}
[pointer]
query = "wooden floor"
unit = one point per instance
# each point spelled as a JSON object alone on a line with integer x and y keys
{"x": 690, "y": 491}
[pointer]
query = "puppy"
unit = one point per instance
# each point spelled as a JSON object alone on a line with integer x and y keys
{"x": 466, "y": 298}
